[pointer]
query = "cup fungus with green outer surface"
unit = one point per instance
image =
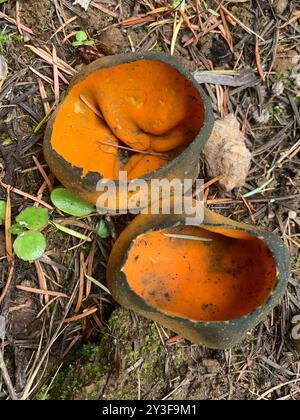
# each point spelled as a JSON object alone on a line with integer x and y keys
{"x": 142, "y": 113}
{"x": 209, "y": 283}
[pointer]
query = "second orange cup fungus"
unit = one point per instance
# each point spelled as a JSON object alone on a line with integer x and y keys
{"x": 210, "y": 283}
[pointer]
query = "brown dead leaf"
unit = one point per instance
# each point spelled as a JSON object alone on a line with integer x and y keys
{"x": 3, "y": 70}
{"x": 280, "y": 6}
{"x": 226, "y": 153}
{"x": 211, "y": 365}
{"x": 285, "y": 59}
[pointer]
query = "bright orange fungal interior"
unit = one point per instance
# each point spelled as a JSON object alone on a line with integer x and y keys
{"x": 226, "y": 277}
{"x": 146, "y": 105}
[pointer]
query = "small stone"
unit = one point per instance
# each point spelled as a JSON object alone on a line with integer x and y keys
{"x": 292, "y": 214}
{"x": 88, "y": 389}
{"x": 112, "y": 41}
{"x": 271, "y": 215}
{"x": 211, "y": 365}
{"x": 261, "y": 116}
{"x": 278, "y": 88}
{"x": 280, "y": 6}
{"x": 83, "y": 3}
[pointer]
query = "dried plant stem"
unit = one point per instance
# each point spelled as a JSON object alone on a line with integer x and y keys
{"x": 8, "y": 281}
{"x": 74, "y": 318}
{"x": 91, "y": 106}
{"x": 143, "y": 152}
{"x": 29, "y": 196}
{"x": 41, "y": 291}
{"x": 6, "y": 378}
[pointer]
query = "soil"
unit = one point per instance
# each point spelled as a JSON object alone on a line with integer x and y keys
{"x": 36, "y": 14}
{"x": 141, "y": 366}
{"x": 112, "y": 41}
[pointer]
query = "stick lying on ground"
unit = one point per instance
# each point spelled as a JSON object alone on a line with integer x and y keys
{"x": 241, "y": 78}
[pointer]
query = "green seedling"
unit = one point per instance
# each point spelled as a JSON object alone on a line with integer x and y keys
{"x": 30, "y": 243}
{"x": 102, "y": 229}
{"x": 82, "y": 39}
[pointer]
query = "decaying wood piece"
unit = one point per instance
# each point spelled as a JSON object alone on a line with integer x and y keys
{"x": 226, "y": 153}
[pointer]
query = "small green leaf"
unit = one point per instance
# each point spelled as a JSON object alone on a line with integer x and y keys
{"x": 2, "y": 1}
{"x": 69, "y": 203}
{"x": 81, "y": 36}
{"x": 17, "y": 229}
{"x": 33, "y": 218}
{"x": 43, "y": 121}
{"x": 97, "y": 283}
{"x": 6, "y": 141}
{"x": 89, "y": 43}
{"x": 102, "y": 229}
{"x": 76, "y": 43}
{"x": 2, "y": 211}
{"x": 30, "y": 245}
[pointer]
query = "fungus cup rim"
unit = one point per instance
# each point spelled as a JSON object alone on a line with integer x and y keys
{"x": 119, "y": 59}
{"x": 271, "y": 241}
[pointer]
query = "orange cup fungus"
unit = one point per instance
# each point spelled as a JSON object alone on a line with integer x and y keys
{"x": 133, "y": 113}
{"x": 210, "y": 283}
{"x": 201, "y": 274}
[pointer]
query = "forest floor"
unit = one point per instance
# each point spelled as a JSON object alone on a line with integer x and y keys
{"x": 111, "y": 353}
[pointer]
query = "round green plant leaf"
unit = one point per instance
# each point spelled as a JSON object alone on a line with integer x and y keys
{"x": 33, "y": 218}
{"x": 30, "y": 245}
{"x": 17, "y": 229}
{"x": 81, "y": 36}
{"x": 76, "y": 43}
{"x": 69, "y": 203}
{"x": 2, "y": 211}
{"x": 102, "y": 229}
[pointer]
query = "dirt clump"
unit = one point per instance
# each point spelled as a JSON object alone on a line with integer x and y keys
{"x": 112, "y": 41}
{"x": 35, "y": 15}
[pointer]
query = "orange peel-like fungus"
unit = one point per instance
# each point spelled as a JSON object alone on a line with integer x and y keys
{"x": 146, "y": 104}
{"x": 223, "y": 275}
